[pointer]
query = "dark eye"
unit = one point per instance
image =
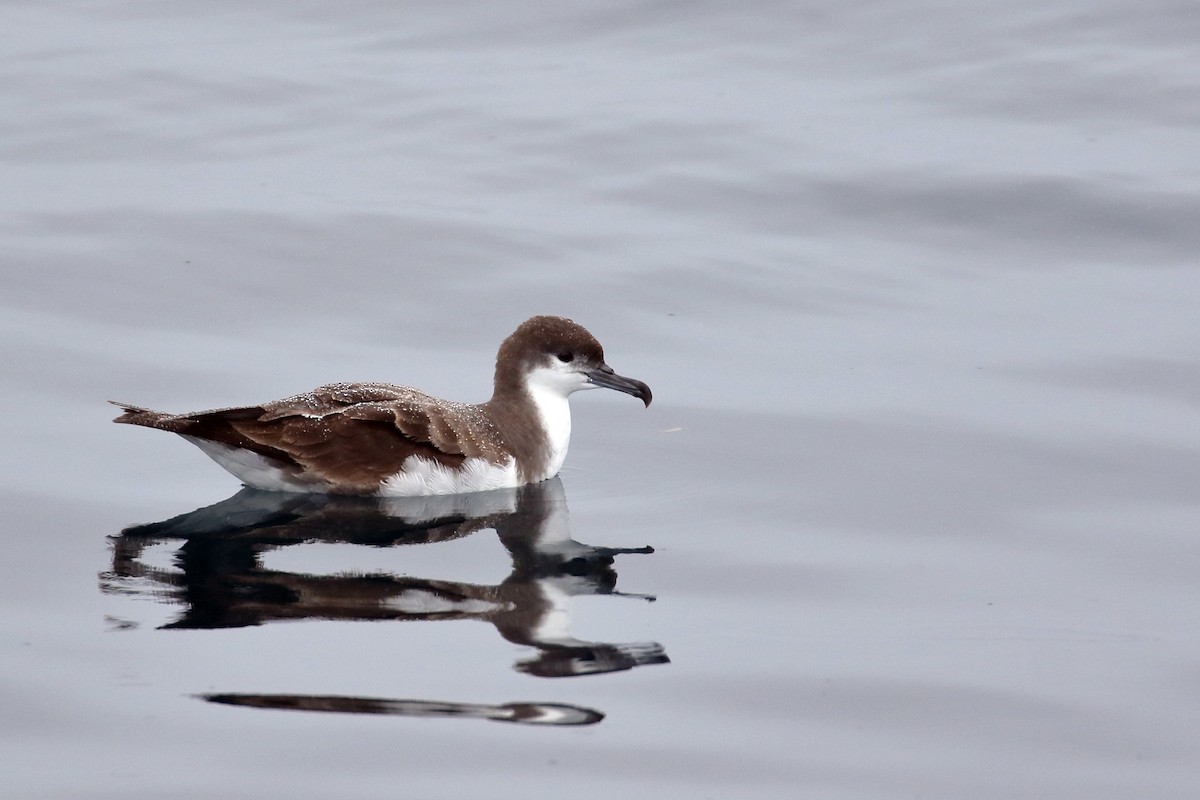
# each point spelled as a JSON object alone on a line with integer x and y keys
{"x": 566, "y": 357}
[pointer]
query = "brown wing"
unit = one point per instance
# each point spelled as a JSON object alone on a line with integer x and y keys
{"x": 351, "y": 435}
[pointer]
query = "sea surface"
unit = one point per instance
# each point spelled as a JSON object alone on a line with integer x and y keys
{"x": 915, "y": 285}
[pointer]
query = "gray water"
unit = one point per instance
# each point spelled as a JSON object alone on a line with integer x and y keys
{"x": 914, "y": 284}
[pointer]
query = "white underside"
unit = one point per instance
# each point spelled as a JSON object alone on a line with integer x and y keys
{"x": 254, "y": 470}
{"x": 417, "y": 476}
{"x": 420, "y": 476}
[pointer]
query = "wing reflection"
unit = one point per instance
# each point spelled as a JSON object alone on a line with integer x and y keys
{"x": 522, "y": 713}
{"x": 221, "y": 582}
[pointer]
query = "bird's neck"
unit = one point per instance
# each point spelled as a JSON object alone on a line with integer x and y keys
{"x": 536, "y": 424}
{"x": 554, "y": 411}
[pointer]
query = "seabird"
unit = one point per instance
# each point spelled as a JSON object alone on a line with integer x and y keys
{"x": 382, "y": 439}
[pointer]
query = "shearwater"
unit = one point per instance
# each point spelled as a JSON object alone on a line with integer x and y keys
{"x": 378, "y": 438}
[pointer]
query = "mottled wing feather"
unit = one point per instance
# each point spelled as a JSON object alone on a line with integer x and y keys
{"x": 350, "y": 454}
{"x": 337, "y": 397}
{"x": 356, "y": 435}
{"x": 452, "y": 429}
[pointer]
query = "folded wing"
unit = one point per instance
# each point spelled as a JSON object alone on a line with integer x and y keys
{"x": 351, "y": 436}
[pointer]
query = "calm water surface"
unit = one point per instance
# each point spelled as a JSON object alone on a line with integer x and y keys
{"x": 914, "y": 285}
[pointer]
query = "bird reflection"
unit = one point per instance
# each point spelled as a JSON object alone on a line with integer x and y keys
{"x": 522, "y": 713}
{"x": 221, "y": 582}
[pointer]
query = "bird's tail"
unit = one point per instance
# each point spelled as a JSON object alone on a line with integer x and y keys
{"x": 136, "y": 415}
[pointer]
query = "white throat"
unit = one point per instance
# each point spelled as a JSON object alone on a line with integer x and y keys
{"x": 555, "y": 413}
